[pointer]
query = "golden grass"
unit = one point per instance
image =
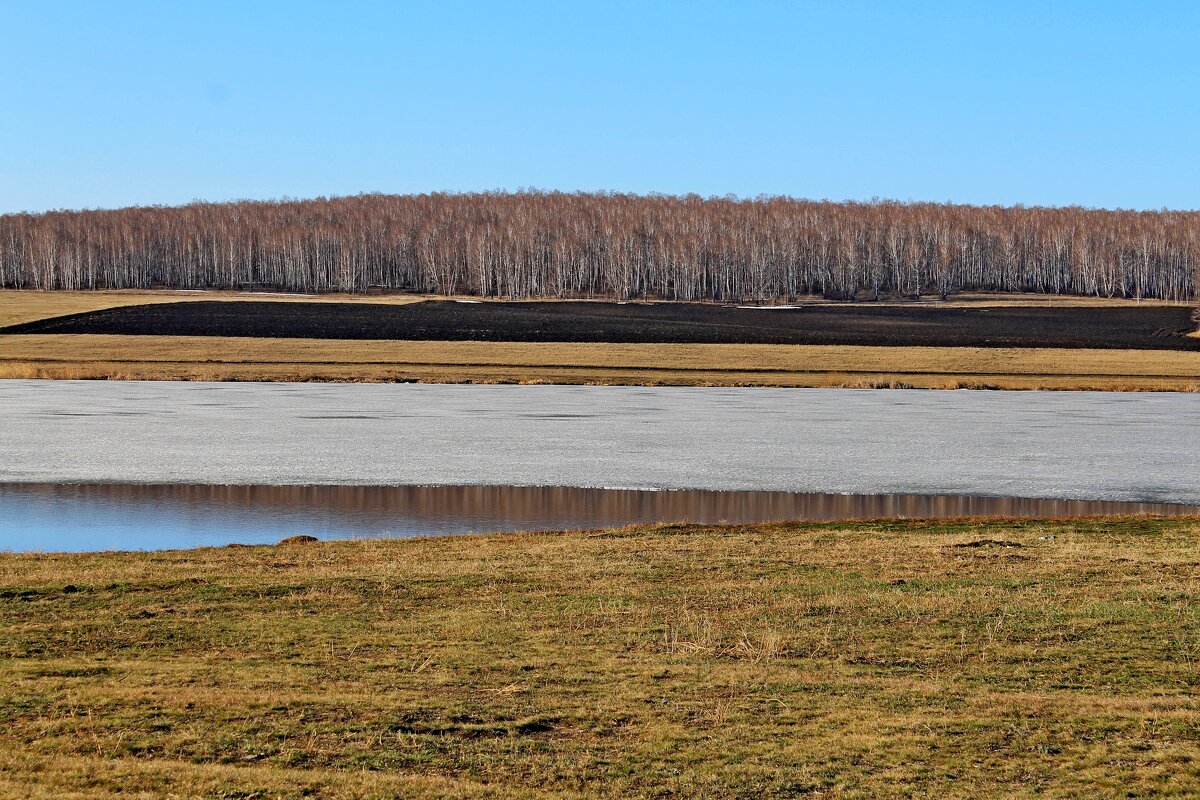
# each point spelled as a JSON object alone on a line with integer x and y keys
{"x": 18, "y": 306}
{"x": 231, "y": 358}
{"x": 891, "y": 659}
{"x": 1002, "y": 300}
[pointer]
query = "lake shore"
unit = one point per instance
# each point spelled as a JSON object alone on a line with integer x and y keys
{"x": 66, "y": 517}
{"x": 952, "y": 658}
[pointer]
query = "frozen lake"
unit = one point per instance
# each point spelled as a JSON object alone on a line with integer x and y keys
{"x": 1061, "y": 445}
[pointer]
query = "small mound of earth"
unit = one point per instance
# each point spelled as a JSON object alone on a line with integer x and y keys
{"x": 303, "y": 539}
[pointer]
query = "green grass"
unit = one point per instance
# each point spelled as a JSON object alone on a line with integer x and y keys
{"x": 814, "y": 660}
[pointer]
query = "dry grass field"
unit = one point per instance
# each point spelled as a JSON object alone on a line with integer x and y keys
{"x": 228, "y": 358}
{"x": 888, "y": 659}
{"x": 94, "y": 356}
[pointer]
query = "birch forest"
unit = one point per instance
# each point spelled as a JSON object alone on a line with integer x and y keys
{"x": 620, "y": 246}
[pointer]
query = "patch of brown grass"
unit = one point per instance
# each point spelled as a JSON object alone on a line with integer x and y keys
{"x": 1007, "y": 300}
{"x": 231, "y": 358}
{"x": 18, "y": 306}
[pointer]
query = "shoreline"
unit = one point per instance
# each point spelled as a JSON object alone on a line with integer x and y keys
{"x": 130, "y": 517}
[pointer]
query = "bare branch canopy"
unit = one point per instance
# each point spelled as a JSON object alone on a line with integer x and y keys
{"x": 551, "y": 244}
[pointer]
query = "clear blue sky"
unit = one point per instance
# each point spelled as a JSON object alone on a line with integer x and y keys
{"x": 107, "y": 103}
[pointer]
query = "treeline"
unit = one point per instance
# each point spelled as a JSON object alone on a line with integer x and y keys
{"x": 550, "y": 244}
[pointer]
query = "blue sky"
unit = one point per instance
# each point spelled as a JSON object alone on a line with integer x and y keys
{"x": 107, "y": 104}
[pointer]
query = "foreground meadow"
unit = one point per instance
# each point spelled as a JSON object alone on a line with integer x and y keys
{"x": 893, "y": 659}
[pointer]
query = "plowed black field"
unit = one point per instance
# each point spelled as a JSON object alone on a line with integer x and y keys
{"x": 1150, "y": 327}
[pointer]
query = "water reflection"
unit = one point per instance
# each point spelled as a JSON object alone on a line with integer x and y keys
{"x": 71, "y": 517}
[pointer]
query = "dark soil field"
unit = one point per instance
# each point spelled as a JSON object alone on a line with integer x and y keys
{"x": 1148, "y": 328}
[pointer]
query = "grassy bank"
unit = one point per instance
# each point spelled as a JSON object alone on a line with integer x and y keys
{"x": 949, "y": 659}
